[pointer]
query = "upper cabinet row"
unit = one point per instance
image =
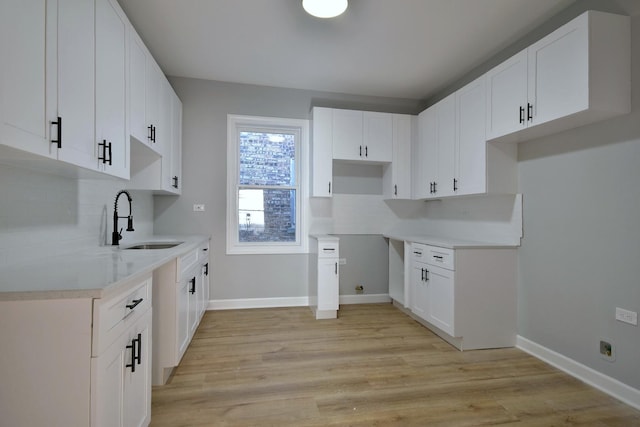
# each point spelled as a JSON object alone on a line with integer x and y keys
{"x": 361, "y": 137}
{"x": 578, "y": 74}
{"x": 73, "y": 90}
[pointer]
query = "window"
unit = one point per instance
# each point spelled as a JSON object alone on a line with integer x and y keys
{"x": 265, "y": 192}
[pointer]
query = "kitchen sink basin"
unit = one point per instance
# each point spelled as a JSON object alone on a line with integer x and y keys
{"x": 153, "y": 245}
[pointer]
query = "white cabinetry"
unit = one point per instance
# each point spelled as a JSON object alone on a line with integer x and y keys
{"x": 362, "y": 136}
{"x": 578, "y": 74}
{"x": 324, "y": 275}
{"x": 63, "y": 83}
{"x": 203, "y": 300}
{"x": 396, "y": 179}
{"x": 321, "y": 152}
{"x": 467, "y": 296}
{"x": 103, "y": 345}
{"x": 179, "y": 297}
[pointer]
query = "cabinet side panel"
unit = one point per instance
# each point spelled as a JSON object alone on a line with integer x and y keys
{"x": 485, "y": 298}
{"x": 46, "y": 348}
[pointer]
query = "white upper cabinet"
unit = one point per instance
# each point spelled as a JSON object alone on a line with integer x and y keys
{"x": 23, "y": 79}
{"x": 446, "y": 136}
{"x": 362, "y": 136}
{"x": 425, "y": 157}
{"x": 396, "y": 179}
{"x": 321, "y": 152}
{"x": 111, "y": 76}
{"x": 138, "y": 90}
{"x": 578, "y": 74}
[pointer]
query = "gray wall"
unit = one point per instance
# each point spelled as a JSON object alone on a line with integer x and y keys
{"x": 205, "y": 108}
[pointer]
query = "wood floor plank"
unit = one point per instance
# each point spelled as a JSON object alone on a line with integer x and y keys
{"x": 373, "y": 366}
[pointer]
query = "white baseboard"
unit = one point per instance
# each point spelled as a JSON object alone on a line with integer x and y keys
{"x": 364, "y": 299}
{"x": 611, "y": 386}
{"x": 232, "y": 304}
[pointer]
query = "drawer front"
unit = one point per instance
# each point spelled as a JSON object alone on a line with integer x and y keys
{"x": 186, "y": 262}
{"x": 441, "y": 257}
{"x": 419, "y": 252}
{"x": 328, "y": 250}
{"x": 112, "y": 315}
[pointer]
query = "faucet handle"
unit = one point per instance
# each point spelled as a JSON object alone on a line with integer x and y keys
{"x": 120, "y": 234}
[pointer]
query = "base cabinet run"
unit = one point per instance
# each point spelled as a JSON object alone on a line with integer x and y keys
{"x": 181, "y": 294}
{"x": 77, "y": 361}
{"x": 466, "y": 296}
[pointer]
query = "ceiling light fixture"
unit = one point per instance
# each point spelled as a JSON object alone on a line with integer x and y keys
{"x": 325, "y": 8}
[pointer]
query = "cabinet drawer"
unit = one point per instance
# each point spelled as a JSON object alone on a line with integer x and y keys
{"x": 185, "y": 262}
{"x": 419, "y": 252}
{"x": 328, "y": 250}
{"x": 111, "y": 316}
{"x": 442, "y": 257}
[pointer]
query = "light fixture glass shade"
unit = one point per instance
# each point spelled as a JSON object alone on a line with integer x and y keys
{"x": 325, "y": 8}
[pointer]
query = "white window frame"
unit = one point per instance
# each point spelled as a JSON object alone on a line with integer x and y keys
{"x": 237, "y": 123}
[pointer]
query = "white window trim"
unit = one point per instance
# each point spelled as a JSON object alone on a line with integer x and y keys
{"x": 234, "y": 247}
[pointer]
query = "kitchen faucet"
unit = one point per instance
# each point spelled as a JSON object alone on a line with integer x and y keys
{"x": 117, "y": 235}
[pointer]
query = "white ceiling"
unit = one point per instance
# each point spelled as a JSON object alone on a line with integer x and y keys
{"x": 393, "y": 48}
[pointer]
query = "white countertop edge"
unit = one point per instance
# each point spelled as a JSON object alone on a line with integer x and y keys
{"x": 146, "y": 267}
{"x": 325, "y": 237}
{"x": 445, "y": 242}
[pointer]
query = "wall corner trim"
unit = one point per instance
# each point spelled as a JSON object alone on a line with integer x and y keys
{"x": 604, "y": 383}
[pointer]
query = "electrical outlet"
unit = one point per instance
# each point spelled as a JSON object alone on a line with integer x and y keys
{"x": 198, "y": 208}
{"x": 627, "y": 316}
{"x": 359, "y": 289}
{"x": 606, "y": 351}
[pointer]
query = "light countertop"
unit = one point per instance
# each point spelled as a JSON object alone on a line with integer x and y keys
{"x": 445, "y": 242}
{"x": 90, "y": 272}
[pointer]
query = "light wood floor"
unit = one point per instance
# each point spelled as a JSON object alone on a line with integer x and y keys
{"x": 374, "y": 366}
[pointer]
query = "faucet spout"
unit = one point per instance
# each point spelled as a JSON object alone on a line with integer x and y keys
{"x": 116, "y": 236}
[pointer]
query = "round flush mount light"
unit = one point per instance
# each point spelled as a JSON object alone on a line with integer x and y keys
{"x": 325, "y": 8}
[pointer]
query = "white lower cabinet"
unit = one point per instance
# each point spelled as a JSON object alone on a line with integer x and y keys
{"x": 180, "y": 300}
{"x": 78, "y": 361}
{"x": 324, "y": 277}
{"x": 467, "y": 295}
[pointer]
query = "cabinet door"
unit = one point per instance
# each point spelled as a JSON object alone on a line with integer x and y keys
{"x": 137, "y": 384}
{"x": 138, "y": 89}
{"x": 182, "y": 317}
{"x": 559, "y": 72}
{"x": 175, "y": 177}
{"x": 107, "y": 384}
{"x": 419, "y": 290}
{"x": 441, "y": 298}
{"x": 348, "y": 143}
{"x": 507, "y": 96}
{"x": 396, "y": 181}
{"x": 446, "y": 135}
{"x": 154, "y": 97}
{"x": 378, "y": 137}
{"x": 23, "y": 33}
{"x": 471, "y": 146}
{"x": 321, "y": 152}
{"x": 194, "y": 296}
{"x": 425, "y": 164}
{"x": 111, "y": 105}
{"x": 76, "y": 81}
{"x": 328, "y": 283}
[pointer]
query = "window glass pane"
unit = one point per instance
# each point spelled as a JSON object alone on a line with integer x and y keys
{"x": 267, "y": 158}
{"x": 266, "y": 215}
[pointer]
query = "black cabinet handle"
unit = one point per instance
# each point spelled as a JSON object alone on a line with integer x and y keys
{"x": 395, "y": 190}
{"x": 135, "y": 302}
{"x": 438, "y": 257}
{"x": 139, "y": 355}
{"x": 529, "y": 112}
{"x": 336, "y": 268}
{"x": 455, "y": 184}
{"x": 106, "y": 148}
{"x": 58, "y": 139}
{"x": 521, "y": 115}
{"x": 329, "y": 187}
{"x": 206, "y": 269}
{"x": 150, "y": 136}
{"x": 426, "y": 275}
{"x": 435, "y": 187}
{"x": 417, "y": 253}
{"x": 422, "y": 274}
{"x": 175, "y": 182}
{"x": 192, "y": 290}
{"x": 132, "y": 365}
{"x": 153, "y": 132}
{"x": 361, "y": 151}
{"x": 366, "y": 151}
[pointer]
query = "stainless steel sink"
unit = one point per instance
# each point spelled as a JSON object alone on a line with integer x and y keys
{"x": 153, "y": 245}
